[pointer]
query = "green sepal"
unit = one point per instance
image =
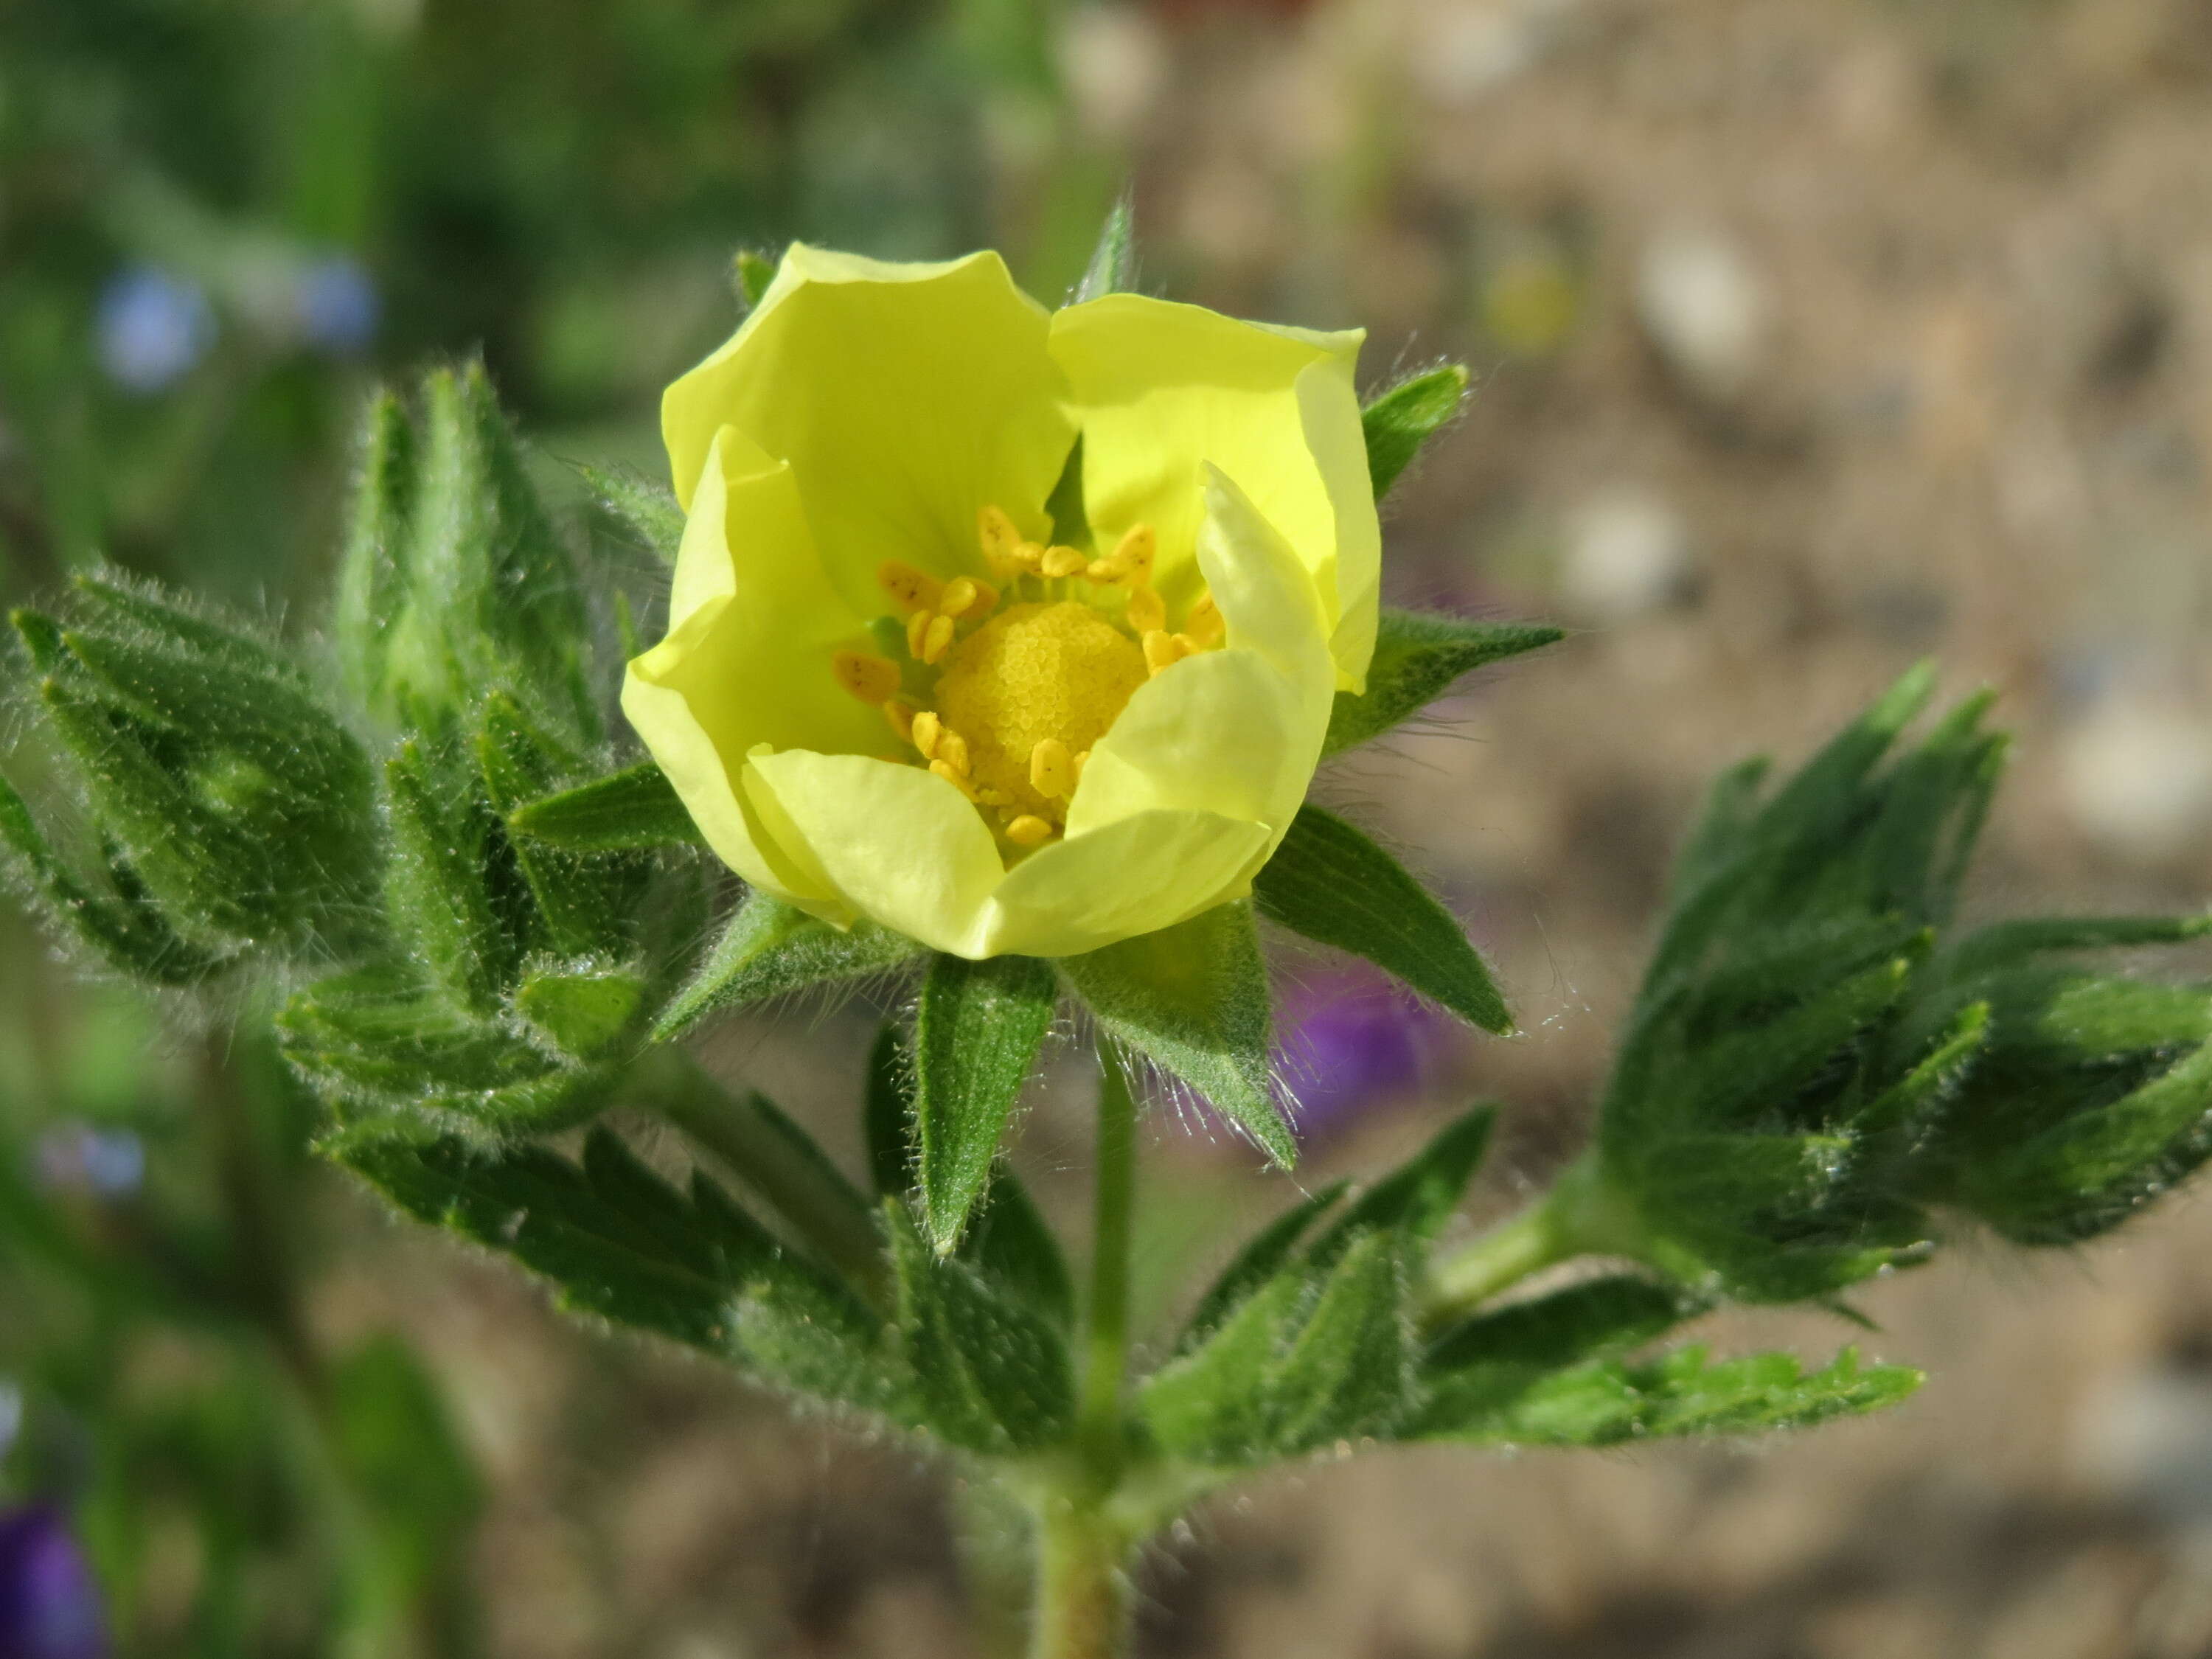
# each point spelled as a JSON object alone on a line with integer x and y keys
{"x": 130, "y": 938}
{"x": 633, "y": 808}
{"x": 1400, "y": 421}
{"x": 1192, "y": 1000}
{"x": 1308, "y": 1360}
{"x": 976, "y": 1037}
{"x": 1418, "y": 655}
{"x": 1611, "y": 1402}
{"x": 1331, "y": 884}
{"x": 644, "y": 506}
{"x": 751, "y": 273}
{"x": 1113, "y": 265}
{"x": 887, "y": 1121}
{"x": 991, "y": 1375}
{"x": 436, "y": 891}
{"x": 1262, "y": 1256}
{"x": 770, "y": 948}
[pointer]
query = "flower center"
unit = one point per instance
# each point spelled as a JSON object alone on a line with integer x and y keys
{"x": 1002, "y": 689}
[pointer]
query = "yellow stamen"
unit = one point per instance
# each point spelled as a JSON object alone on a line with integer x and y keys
{"x": 1064, "y": 561}
{"x": 927, "y": 730}
{"x": 1028, "y": 558}
{"x": 1146, "y": 611}
{"x": 1204, "y": 625}
{"x": 943, "y": 769}
{"x": 999, "y": 539}
{"x": 952, "y": 749}
{"x": 910, "y": 589}
{"x": 1130, "y": 563}
{"x": 870, "y": 679}
{"x": 900, "y": 715}
{"x": 1161, "y": 650}
{"x": 965, "y": 596}
{"x": 938, "y": 639}
{"x": 1052, "y": 770}
{"x": 1078, "y": 758}
{"x": 917, "y": 630}
{"x": 1028, "y": 831}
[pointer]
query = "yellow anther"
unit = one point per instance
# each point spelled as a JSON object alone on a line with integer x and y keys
{"x": 1052, "y": 769}
{"x": 1161, "y": 650}
{"x": 870, "y": 679}
{"x": 1027, "y": 559}
{"x": 943, "y": 769}
{"x": 1078, "y": 758}
{"x": 917, "y": 630}
{"x": 1028, "y": 831}
{"x": 1130, "y": 563}
{"x": 937, "y": 640}
{"x": 965, "y": 596}
{"x": 1146, "y": 611}
{"x": 952, "y": 749}
{"x": 999, "y": 539}
{"x": 1064, "y": 561}
{"x": 1187, "y": 646}
{"x": 900, "y": 715}
{"x": 926, "y": 732}
{"x": 910, "y": 589}
{"x": 1204, "y": 625}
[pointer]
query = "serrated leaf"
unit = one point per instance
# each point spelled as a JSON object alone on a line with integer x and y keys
{"x": 1609, "y": 1402}
{"x": 584, "y": 1014}
{"x": 371, "y": 575}
{"x": 435, "y": 887}
{"x": 1193, "y": 999}
{"x": 1418, "y": 655}
{"x": 1253, "y": 1265}
{"x": 991, "y": 1375}
{"x": 1595, "y": 1320}
{"x": 770, "y": 948}
{"x": 2007, "y": 944}
{"x": 646, "y": 506}
{"x": 1400, "y": 420}
{"x": 634, "y": 808}
{"x": 976, "y": 1037}
{"x": 583, "y": 902}
{"x": 1113, "y": 266}
{"x": 1331, "y": 884}
{"x": 1418, "y": 1197}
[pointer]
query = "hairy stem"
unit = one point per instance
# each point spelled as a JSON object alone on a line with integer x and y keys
{"x": 822, "y": 1210}
{"x": 1580, "y": 1216}
{"x": 1083, "y": 1602}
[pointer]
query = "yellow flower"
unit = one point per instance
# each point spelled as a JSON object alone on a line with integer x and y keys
{"x": 888, "y": 691}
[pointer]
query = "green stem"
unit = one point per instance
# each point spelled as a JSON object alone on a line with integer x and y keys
{"x": 1083, "y": 1544}
{"x": 1580, "y": 1216}
{"x": 815, "y": 1201}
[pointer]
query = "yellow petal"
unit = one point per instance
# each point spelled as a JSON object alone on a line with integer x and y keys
{"x": 1160, "y": 388}
{"x": 1145, "y": 873}
{"x": 895, "y": 842}
{"x": 905, "y": 396}
{"x": 1236, "y": 731}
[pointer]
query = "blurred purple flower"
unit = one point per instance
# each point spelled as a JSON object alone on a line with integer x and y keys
{"x": 107, "y": 1163}
{"x": 1349, "y": 1040}
{"x": 152, "y": 326}
{"x": 49, "y": 1605}
{"x": 337, "y": 305}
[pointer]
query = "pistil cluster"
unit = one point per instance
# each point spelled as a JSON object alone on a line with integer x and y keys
{"x": 1001, "y": 686}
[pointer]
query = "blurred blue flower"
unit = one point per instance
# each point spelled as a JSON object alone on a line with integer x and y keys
{"x": 152, "y": 326}
{"x": 49, "y": 1605}
{"x": 338, "y": 306}
{"x": 1349, "y": 1040}
{"x": 107, "y": 1163}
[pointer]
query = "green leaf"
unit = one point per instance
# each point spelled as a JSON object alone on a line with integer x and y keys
{"x": 436, "y": 885}
{"x": 1590, "y": 1320}
{"x": 646, "y": 506}
{"x": 1402, "y": 419}
{"x": 1609, "y": 1403}
{"x": 1193, "y": 999}
{"x": 404, "y": 1462}
{"x": 2008, "y": 943}
{"x": 372, "y": 576}
{"x": 1306, "y": 1362}
{"x": 1333, "y": 884}
{"x": 1418, "y": 655}
{"x": 1113, "y": 267}
{"x": 770, "y": 948}
{"x": 887, "y": 1114}
{"x": 1262, "y": 1257}
{"x": 991, "y": 1375}
{"x": 1010, "y": 1244}
{"x": 977, "y": 1035}
{"x": 636, "y": 807}
{"x": 584, "y": 1014}
{"x": 1418, "y": 1197}
{"x": 583, "y": 902}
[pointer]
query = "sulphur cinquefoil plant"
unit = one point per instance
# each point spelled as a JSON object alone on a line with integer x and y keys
{"x": 1001, "y": 646}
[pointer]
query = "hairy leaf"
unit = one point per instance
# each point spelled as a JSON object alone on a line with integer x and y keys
{"x": 770, "y": 948}
{"x": 636, "y": 807}
{"x": 977, "y": 1035}
{"x": 1400, "y": 421}
{"x": 1418, "y": 655}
